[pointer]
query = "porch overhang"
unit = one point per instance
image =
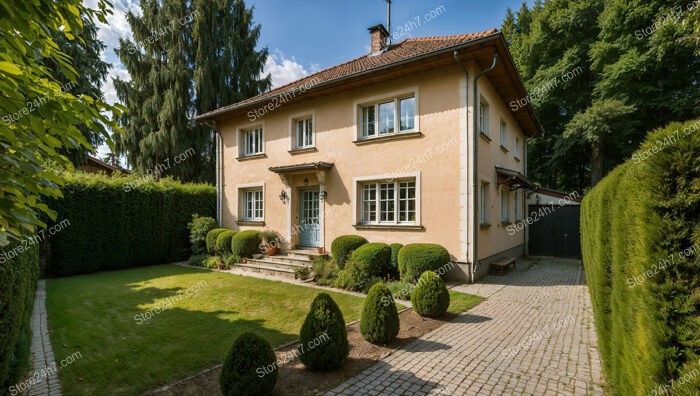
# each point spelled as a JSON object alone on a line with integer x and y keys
{"x": 302, "y": 168}
{"x": 513, "y": 179}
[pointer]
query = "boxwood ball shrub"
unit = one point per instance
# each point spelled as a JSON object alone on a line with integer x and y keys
{"x": 246, "y": 243}
{"x": 416, "y": 258}
{"x": 211, "y": 239}
{"x": 250, "y": 367}
{"x": 430, "y": 297}
{"x": 324, "y": 327}
{"x": 379, "y": 322}
{"x": 394, "y": 262}
{"x": 343, "y": 246}
{"x": 199, "y": 227}
{"x": 223, "y": 242}
{"x": 373, "y": 258}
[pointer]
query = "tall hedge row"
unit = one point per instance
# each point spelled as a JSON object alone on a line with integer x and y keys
{"x": 19, "y": 271}
{"x": 640, "y": 231}
{"x": 124, "y": 221}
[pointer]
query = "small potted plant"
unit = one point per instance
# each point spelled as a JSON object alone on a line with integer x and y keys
{"x": 320, "y": 250}
{"x": 271, "y": 242}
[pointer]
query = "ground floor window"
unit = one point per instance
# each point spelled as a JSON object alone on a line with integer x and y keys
{"x": 389, "y": 202}
{"x": 253, "y": 204}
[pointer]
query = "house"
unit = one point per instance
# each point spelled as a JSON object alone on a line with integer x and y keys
{"x": 385, "y": 146}
{"x": 94, "y": 165}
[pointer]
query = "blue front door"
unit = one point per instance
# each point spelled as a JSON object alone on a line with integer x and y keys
{"x": 309, "y": 224}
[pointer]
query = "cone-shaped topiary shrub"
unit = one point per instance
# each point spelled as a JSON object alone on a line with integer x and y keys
{"x": 415, "y": 258}
{"x": 430, "y": 297}
{"x": 394, "y": 262}
{"x": 246, "y": 243}
{"x": 250, "y": 367}
{"x": 373, "y": 258}
{"x": 211, "y": 239}
{"x": 324, "y": 327}
{"x": 380, "y": 319}
{"x": 343, "y": 246}
{"x": 223, "y": 242}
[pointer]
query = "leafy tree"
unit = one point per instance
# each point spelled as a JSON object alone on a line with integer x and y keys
{"x": 39, "y": 119}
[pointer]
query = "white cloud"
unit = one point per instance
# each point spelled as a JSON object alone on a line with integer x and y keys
{"x": 283, "y": 70}
{"x": 108, "y": 87}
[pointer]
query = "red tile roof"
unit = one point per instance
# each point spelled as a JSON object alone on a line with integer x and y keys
{"x": 399, "y": 52}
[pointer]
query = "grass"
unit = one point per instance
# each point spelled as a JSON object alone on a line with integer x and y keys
{"x": 459, "y": 302}
{"x": 98, "y": 316}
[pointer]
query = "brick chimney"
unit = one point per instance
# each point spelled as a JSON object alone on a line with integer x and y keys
{"x": 379, "y": 36}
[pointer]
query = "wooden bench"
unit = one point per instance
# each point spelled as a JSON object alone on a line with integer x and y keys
{"x": 502, "y": 263}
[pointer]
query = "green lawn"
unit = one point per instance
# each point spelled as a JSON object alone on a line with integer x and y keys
{"x": 461, "y": 302}
{"x": 98, "y": 315}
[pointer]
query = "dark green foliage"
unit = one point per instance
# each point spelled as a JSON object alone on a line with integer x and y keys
{"x": 198, "y": 260}
{"x": 325, "y": 270}
{"x": 124, "y": 221}
{"x": 416, "y": 258}
{"x": 430, "y": 297}
{"x": 355, "y": 277}
{"x": 641, "y": 254}
{"x": 223, "y": 242}
{"x": 246, "y": 243}
{"x": 199, "y": 227}
{"x": 394, "y": 262}
{"x": 343, "y": 246}
{"x": 211, "y": 239}
{"x": 380, "y": 319}
{"x": 324, "y": 327}
{"x": 19, "y": 271}
{"x": 373, "y": 258}
{"x": 250, "y": 368}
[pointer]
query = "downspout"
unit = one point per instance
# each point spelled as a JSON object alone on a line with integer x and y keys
{"x": 526, "y": 250}
{"x": 219, "y": 171}
{"x": 466, "y": 123}
{"x": 475, "y": 176}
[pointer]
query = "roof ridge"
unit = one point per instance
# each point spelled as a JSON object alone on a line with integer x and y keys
{"x": 452, "y": 36}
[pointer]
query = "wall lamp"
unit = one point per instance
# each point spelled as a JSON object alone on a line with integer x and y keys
{"x": 283, "y": 196}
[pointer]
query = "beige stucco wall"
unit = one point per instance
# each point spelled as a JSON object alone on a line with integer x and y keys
{"x": 444, "y": 208}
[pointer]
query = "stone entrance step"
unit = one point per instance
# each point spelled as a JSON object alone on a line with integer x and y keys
{"x": 280, "y": 265}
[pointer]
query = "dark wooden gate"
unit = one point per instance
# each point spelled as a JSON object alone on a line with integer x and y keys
{"x": 556, "y": 231}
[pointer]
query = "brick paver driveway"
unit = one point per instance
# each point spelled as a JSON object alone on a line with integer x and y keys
{"x": 534, "y": 335}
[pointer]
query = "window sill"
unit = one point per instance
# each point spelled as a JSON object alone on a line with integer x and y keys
{"x": 504, "y": 149}
{"x": 384, "y": 138}
{"x": 396, "y": 227}
{"x": 302, "y": 150}
{"x": 254, "y": 223}
{"x": 506, "y": 223}
{"x": 484, "y": 226}
{"x": 251, "y": 157}
{"x": 485, "y": 137}
{"x": 516, "y": 158}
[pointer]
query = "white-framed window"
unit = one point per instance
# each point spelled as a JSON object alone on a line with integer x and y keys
{"x": 304, "y": 132}
{"x": 505, "y": 205}
{"x": 504, "y": 134}
{"x": 516, "y": 205}
{"x": 253, "y": 204}
{"x": 516, "y": 153}
{"x": 388, "y": 117}
{"x": 389, "y": 202}
{"x": 484, "y": 203}
{"x": 484, "y": 116}
{"x": 252, "y": 142}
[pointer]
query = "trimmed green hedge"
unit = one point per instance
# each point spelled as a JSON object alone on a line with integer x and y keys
{"x": 223, "y": 242}
{"x": 416, "y": 258}
{"x": 211, "y": 239}
{"x": 373, "y": 258}
{"x": 640, "y": 233}
{"x": 394, "y": 262}
{"x": 430, "y": 297}
{"x": 343, "y": 246}
{"x": 324, "y": 329}
{"x": 124, "y": 221}
{"x": 246, "y": 243}
{"x": 19, "y": 271}
{"x": 250, "y": 367}
{"x": 380, "y": 318}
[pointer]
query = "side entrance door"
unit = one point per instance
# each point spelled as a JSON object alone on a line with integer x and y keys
{"x": 309, "y": 225}
{"x": 555, "y": 231}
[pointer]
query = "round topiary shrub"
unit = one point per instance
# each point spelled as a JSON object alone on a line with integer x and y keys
{"x": 343, "y": 246}
{"x": 430, "y": 297}
{"x": 380, "y": 319}
{"x": 324, "y": 328}
{"x": 373, "y": 258}
{"x": 416, "y": 258}
{"x": 211, "y": 239}
{"x": 246, "y": 243}
{"x": 223, "y": 242}
{"x": 394, "y": 262}
{"x": 250, "y": 367}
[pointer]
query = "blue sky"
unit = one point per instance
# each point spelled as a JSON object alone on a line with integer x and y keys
{"x": 305, "y": 36}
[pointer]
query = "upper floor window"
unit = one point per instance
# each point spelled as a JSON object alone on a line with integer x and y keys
{"x": 388, "y": 117}
{"x": 252, "y": 142}
{"x": 484, "y": 117}
{"x": 304, "y": 132}
{"x": 504, "y": 135}
{"x": 389, "y": 202}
